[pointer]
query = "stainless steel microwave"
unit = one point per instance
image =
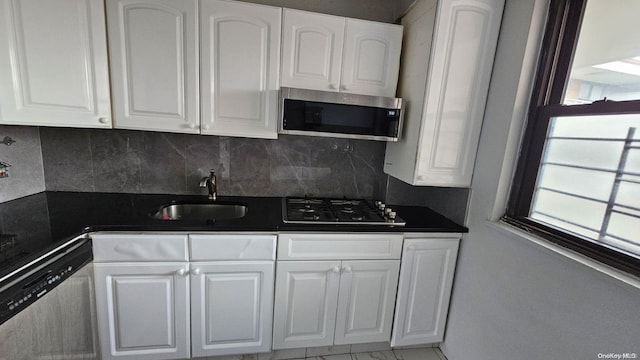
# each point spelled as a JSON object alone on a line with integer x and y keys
{"x": 334, "y": 114}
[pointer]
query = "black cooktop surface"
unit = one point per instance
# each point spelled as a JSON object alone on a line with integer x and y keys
{"x": 337, "y": 211}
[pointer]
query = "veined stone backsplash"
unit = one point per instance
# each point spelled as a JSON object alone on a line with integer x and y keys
{"x": 23, "y": 159}
{"x": 95, "y": 160}
{"x": 150, "y": 162}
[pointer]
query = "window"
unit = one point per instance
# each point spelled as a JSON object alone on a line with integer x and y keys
{"x": 578, "y": 177}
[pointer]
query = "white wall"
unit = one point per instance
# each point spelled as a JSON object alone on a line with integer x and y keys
{"x": 514, "y": 298}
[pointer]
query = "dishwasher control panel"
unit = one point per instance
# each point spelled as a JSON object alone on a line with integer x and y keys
{"x": 36, "y": 282}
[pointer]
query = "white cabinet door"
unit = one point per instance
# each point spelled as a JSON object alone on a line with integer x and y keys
{"x": 143, "y": 310}
{"x": 424, "y": 291}
{"x": 240, "y": 60}
{"x": 53, "y": 63}
{"x": 311, "y": 50}
{"x": 444, "y": 81}
{"x": 305, "y": 303}
{"x": 371, "y": 58}
{"x": 154, "y": 64}
{"x": 366, "y": 301}
{"x": 462, "y": 58}
{"x": 231, "y": 307}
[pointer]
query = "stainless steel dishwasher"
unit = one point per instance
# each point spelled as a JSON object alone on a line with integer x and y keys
{"x": 48, "y": 307}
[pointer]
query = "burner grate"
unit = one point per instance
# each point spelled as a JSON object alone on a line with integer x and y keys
{"x": 334, "y": 211}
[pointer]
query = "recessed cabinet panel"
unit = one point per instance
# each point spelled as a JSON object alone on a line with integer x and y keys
{"x": 328, "y": 246}
{"x": 206, "y": 247}
{"x": 306, "y": 299}
{"x": 424, "y": 291}
{"x": 366, "y": 301}
{"x": 240, "y": 52}
{"x": 142, "y": 310}
{"x": 246, "y": 288}
{"x": 371, "y": 58}
{"x": 312, "y": 50}
{"x": 231, "y": 307}
{"x": 53, "y": 63}
{"x": 454, "y": 81}
{"x": 130, "y": 297}
{"x": 139, "y": 247}
{"x": 154, "y": 64}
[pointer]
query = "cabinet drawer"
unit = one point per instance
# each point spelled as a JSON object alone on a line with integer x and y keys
{"x": 139, "y": 247}
{"x": 339, "y": 246}
{"x": 232, "y": 247}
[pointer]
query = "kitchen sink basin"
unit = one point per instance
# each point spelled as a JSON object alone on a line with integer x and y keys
{"x": 201, "y": 212}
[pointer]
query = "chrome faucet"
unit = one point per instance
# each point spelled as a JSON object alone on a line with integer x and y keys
{"x": 211, "y": 184}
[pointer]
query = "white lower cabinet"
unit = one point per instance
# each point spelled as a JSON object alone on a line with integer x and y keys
{"x": 143, "y": 310}
{"x": 365, "y": 301}
{"x": 176, "y": 296}
{"x": 337, "y": 301}
{"x": 158, "y": 305}
{"x": 324, "y": 303}
{"x": 231, "y": 307}
{"x": 305, "y": 304}
{"x": 424, "y": 291}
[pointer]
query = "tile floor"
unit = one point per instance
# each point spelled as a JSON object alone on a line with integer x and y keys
{"x": 314, "y": 354}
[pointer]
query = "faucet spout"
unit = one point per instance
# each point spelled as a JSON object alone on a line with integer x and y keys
{"x": 210, "y": 182}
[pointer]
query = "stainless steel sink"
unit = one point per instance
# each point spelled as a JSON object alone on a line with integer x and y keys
{"x": 201, "y": 212}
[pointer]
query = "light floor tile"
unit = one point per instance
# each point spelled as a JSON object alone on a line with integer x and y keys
{"x": 369, "y": 347}
{"x": 374, "y": 355}
{"x": 328, "y": 350}
{"x": 284, "y": 354}
{"x": 417, "y": 354}
{"x": 235, "y": 357}
{"x": 331, "y": 357}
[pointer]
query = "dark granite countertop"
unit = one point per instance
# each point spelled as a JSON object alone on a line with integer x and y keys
{"x": 35, "y": 224}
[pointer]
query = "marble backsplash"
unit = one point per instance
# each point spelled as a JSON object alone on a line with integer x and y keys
{"x": 450, "y": 202}
{"x": 149, "y": 162}
{"x": 23, "y": 161}
{"x": 123, "y": 161}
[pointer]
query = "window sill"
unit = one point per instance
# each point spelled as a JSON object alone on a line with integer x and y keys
{"x": 566, "y": 253}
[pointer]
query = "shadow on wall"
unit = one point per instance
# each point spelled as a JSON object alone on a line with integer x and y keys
{"x": 375, "y": 10}
{"x": 450, "y": 202}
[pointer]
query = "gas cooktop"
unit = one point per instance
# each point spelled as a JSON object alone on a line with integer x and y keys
{"x": 338, "y": 211}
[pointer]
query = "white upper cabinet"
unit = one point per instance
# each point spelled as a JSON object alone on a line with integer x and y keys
{"x": 331, "y": 53}
{"x": 371, "y": 58}
{"x": 311, "y": 50}
{"x": 154, "y": 64}
{"x": 446, "y": 68}
{"x": 239, "y": 60}
{"x": 53, "y": 63}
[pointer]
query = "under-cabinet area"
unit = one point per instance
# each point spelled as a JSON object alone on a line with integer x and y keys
{"x": 189, "y": 295}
